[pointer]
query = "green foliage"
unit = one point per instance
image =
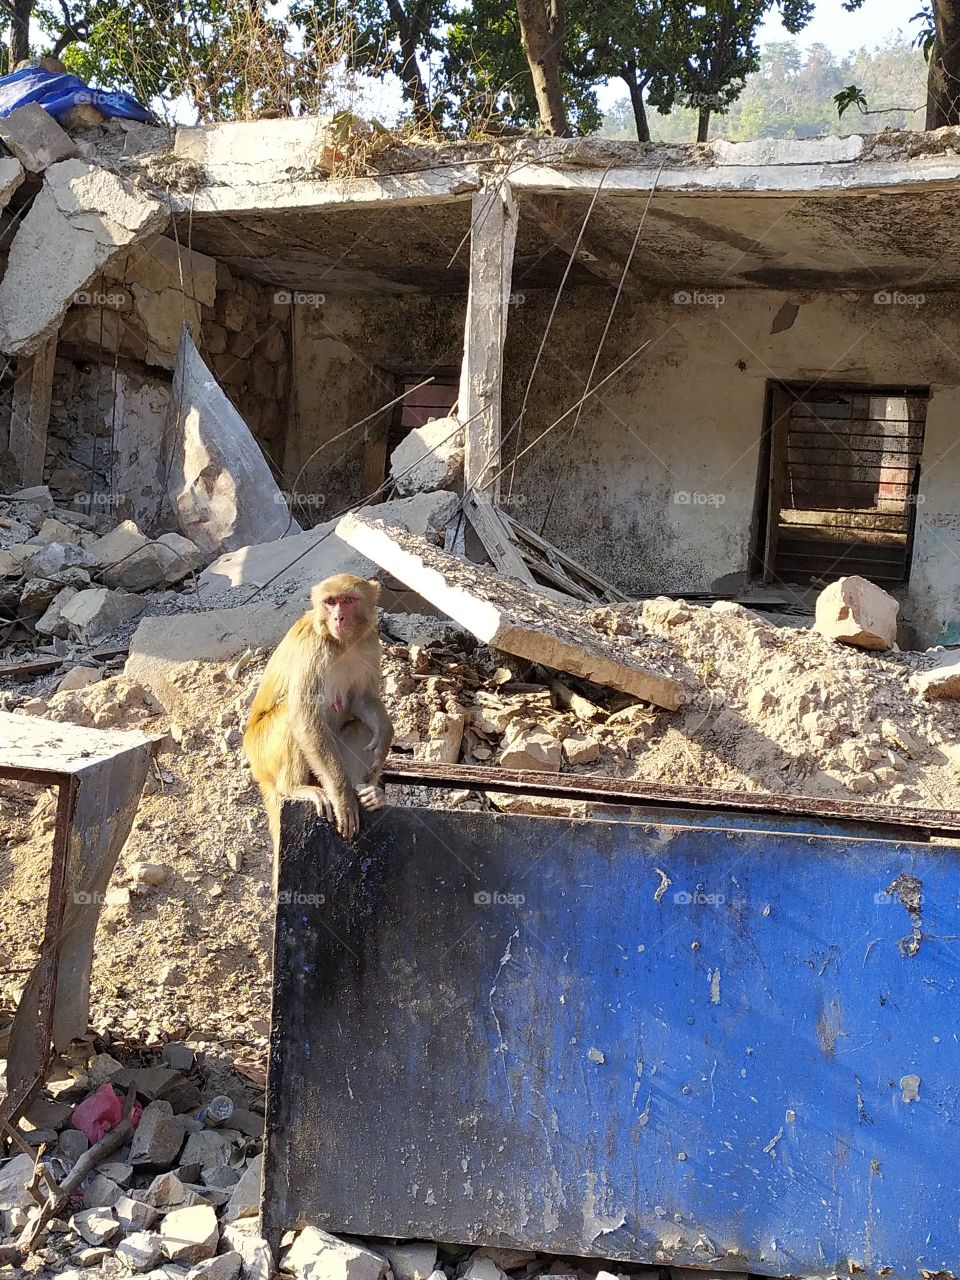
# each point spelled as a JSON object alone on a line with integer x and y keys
{"x": 851, "y": 96}
{"x": 792, "y": 95}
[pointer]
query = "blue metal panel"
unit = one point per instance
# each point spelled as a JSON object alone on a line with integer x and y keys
{"x": 700, "y": 1046}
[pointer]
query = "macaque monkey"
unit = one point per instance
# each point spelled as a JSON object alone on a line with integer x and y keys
{"x": 318, "y": 729}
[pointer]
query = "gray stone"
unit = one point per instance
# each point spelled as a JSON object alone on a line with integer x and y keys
{"x": 429, "y": 458}
{"x": 206, "y": 1150}
{"x": 101, "y": 1068}
{"x": 158, "y": 1137}
{"x": 257, "y": 1258}
{"x": 71, "y": 1145}
{"x": 140, "y": 1250}
{"x": 188, "y": 557}
{"x": 101, "y": 1192}
{"x": 177, "y": 1056}
{"x": 532, "y": 749}
{"x": 37, "y": 593}
{"x": 130, "y": 560}
{"x": 96, "y": 1226}
{"x": 35, "y": 138}
{"x": 167, "y": 1192}
{"x": 856, "y": 611}
{"x": 11, "y": 175}
{"x": 248, "y": 1122}
{"x": 317, "y": 1255}
{"x": 190, "y": 1235}
{"x": 420, "y": 628}
{"x": 135, "y": 1215}
{"x": 478, "y": 1267}
{"x": 79, "y": 678}
{"x": 97, "y": 612}
{"x": 81, "y": 219}
{"x": 52, "y": 557}
{"x": 245, "y": 1200}
{"x": 411, "y": 1261}
{"x": 224, "y": 1267}
{"x": 222, "y": 1176}
{"x": 13, "y": 1175}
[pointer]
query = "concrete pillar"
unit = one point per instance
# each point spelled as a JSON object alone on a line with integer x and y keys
{"x": 30, "y": 414}
{"x": 492, "y": 238}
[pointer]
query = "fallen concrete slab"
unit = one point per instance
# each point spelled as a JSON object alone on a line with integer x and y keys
{"x": 220, "y": 486}
{"x": 941, "y": 680}
{"x": 509, "y": 616}
{"x": 82, "y": 217}
{"x": 35, "y": 138}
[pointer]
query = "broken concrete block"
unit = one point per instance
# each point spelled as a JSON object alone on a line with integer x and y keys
{"x": 188, "y": 557}
{"x": 226, "y": 1266}
{"x": 98, "y": 612}
{"x": 79, "y": 678}
{"x": 50, "y": 559}
{"x": 14, "y": 1174}
{"x": 430, "y": 457}
{"x": 12, "y": 559}
{"x": 581, "y": 750}
{"x": 158, "y": 1137}
{"x": 941, "y": 680}
{"x": 53, "y": 530}
{"x": 411, "y": 1261}
{"x": 166, "y": 1191}
{"x": 244, "y": 1200}
{"x": 158, "y": 263}
{"x": 190, "y": 1235}
{"x": 243, "y": 1237}
{"x": 132, "y": 561}
{"x": 509, "y": 616}
{"x": 445, "y": 738}
{"x": 220, "y": 485}
{"x": 206, "y": 1150}
{"x": 53, "y": 623}
{"x": 35, "y": 138}
{"x": 134, "y": 1215}
{"x": 855, "y": 611}
{"x": 71, "y": 1145}
{"x": 97, "y": 1226}
{"x": 316, "y": 1255}
{"x": 177, "y": 1055}
{"x": 101, "y": 1192}
{"x": 419, "y": 628}
{"x": 37, "y": 593}
{"x": 532, "y": 749}
{"x": 81, "y": 219}
{"x": 11, "y": 175}
{"x": 140, "y": 1251}
{"x": 480, "y": 1267}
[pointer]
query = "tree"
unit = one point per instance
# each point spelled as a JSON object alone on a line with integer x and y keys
{"x": 542, "y": 32}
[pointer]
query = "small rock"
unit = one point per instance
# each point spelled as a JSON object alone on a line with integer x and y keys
{"x": 190, "y": 1235}
{"x": 90, "y": 1255}
{"x": 188, "y": 557}
{"x": 158, "y": 1137}
{"x": 507, "y": 1259}
{"x": 206, "y": 1150}
{"x": 14, "y": 1174}
{"x": 37, "y": 593}
{"x": 71, "y": 1145}
{"x": 898, "y": 737}
{"x": 102, "y": 1068}
{"x": 177, "y": 1055}
{"x": 135, "y": 1215}
{"x": 140, "y": 1251}
{"x": 248, "y": 1122}
{"x": 942, "y": 680}
{"x": 96, "y": 612}
{"x": 79, "y": 678}
{"x": 857, "y": 612}
{"x": 224, "y": 1267}
{"x": 244, "y": 1238}
{"x": 478, "y": 1267}
{"x": 148, "y": 875}
{"x": 101, "y": 1192}
{"x": 316, "y": 1255}
{"x": 245, "y": 1199}
{"x": 97, "y": 1226}
{"x": 120, "y": 1173}
{"x": 411, "y": 1261}
{"x": 53, "y": 623}
{"x": 532, "y": 749}
{"x": 168, "y": 1192}
{"x": 581, "y": 750}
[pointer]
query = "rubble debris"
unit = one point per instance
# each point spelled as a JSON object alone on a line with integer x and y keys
{"x": 191, "y": 1234}
{"x": 34, "y": 137}
{"x": 96, "y": 612}
{"x": 82, "y": 217}
{"x": 941, "y": 680}
{"x": 220, "y": 485}
{"x": 429, "y": 458}
{"x": 855, "y": 611}
{"x": 531, "y": 748}
{"x": 511, "y": 617}
{"x": 317, "y": 1255}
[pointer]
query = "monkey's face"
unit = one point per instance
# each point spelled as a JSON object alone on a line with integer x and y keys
{"x": 343, "y": 614}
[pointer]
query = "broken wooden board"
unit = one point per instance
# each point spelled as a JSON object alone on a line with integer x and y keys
{"x": 513, "y": 617}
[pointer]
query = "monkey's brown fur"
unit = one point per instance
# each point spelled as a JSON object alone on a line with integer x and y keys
{"x": 309, "y": 731}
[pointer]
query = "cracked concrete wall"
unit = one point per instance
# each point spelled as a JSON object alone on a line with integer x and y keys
{"x": 658, "y": 486}
{"x": 346, "y": 354}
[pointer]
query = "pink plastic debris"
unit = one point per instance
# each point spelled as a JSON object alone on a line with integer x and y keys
{"x": 100, "y": 1112}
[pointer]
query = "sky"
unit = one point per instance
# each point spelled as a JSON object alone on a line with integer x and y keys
{"x": 842, "y": 31}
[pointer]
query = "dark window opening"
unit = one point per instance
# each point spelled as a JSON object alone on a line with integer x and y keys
{"x": 841, "y": 471}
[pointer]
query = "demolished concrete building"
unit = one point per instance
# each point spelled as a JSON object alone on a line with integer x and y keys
{"x": 784, "y": 350}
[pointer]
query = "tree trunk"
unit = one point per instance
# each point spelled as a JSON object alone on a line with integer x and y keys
{"x": 541, "y": 29}
{"x": 629, "y": 77}
{"x": 20, "y": 31}
{"x": 943, "y": 77}
{"x": 410, "y": 74}
{"x": 703, "y": 124}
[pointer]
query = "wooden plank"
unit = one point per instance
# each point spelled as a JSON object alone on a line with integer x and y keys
{"x": 496, "y": 537}
{"x": 30, "y": 414}
{"x": 781, "y": 405}
{"x": 573, "y": 568}
{"x": 492, "y": 238}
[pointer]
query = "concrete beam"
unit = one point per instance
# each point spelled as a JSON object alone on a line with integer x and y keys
{"x": 562, "y": 227}
{"x": 492, "y": 239}
{"x": 30, "y": 413}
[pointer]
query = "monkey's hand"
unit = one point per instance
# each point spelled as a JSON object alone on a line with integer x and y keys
{"x": 346, "y": 811}
{"x": 371, "y": 796}
{"x": 317, "y": 797}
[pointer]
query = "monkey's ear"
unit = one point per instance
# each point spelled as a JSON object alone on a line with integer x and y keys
{"x": 375, "y": 590}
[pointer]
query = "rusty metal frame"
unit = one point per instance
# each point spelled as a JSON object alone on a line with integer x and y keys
{"x": 13, "y": 1104}
{"x": 637, "y": 791}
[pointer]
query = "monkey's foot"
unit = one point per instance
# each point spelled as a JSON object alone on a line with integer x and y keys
{"x": 371, "y": 796}
{"x": 316, "y": 797}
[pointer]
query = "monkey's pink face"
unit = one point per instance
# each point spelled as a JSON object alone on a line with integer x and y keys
{"x": 343, "y": 614}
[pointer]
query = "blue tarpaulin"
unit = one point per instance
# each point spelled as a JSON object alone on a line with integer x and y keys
{"x": 57, "y": 93}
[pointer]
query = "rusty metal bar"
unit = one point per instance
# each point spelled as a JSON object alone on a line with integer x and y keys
{"x": 632, "y": 791}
